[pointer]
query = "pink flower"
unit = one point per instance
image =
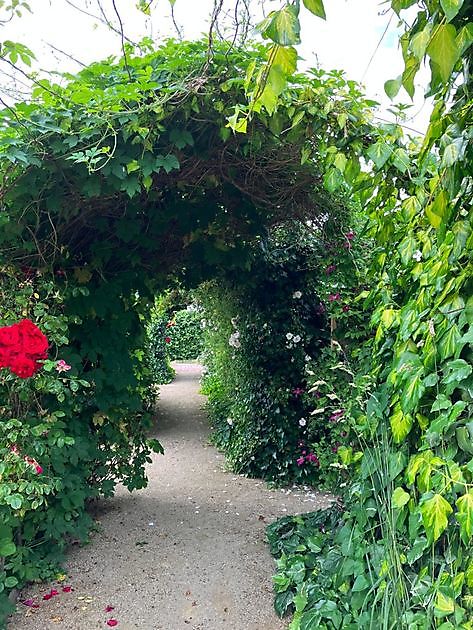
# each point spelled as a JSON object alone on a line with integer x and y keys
{"x": 313, "y": 459}
{"x": 112, "y": 622}
{"x": 300, "y": 461}
{"x": 38, "y": 468}
{"x": 62, "y": 366}
{"x": 298, "y": 391}
{"x": 167, "y": 339}
{"x": 30, "y": 602}
{"x": 52, "y": 593}
{"x": 14, "y": 449}
{"x": 350, "y": 235}
{"x": 67, "y": 589}
{"x": 330, "y": 269}
{"x": 333, "y": 297}
{"x": 345, "y": 308}
{"x": 336, "y": 415}
{"x": 109, "y": 608}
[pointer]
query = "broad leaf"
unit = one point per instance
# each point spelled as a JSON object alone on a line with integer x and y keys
{"x": 379, "y": 153}
{"x": 316, "y": 7}
{"x": 401, "y": 424}
{"x": 413, "y": 392}
{"x": 465, "y": 516}
{"x": 400, "y": 497}
{"x": 283, "y": 26}
{"x": 435, "y": 512}
{"x": 419, "y": 43}
{"x": 451, "y": 8}
{"x": 392, "y": 87}
{"x": 443, "y": 50}
{"x": 436, "y": 211}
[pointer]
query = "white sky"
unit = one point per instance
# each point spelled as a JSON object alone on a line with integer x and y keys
{"x": 346, "y": 40}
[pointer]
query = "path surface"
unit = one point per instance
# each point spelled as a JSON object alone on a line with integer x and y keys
{"x": 186, "y": 553}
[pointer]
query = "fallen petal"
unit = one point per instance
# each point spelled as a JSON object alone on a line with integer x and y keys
{"x": 67, "y": 589}
{"x": 112, "y": 622}
{"x": 109, "y": 608}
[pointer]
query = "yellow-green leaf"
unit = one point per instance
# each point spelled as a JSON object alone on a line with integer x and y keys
{"x": 435, "y": 512}
{"x": 465, "y": 516}
{"x": 401, "y": 424}
{"x": 282, "y": 26}
{"x": 451, "y": 8}
{"x": 400, "y": 497}
{"x": 443, "y": 49}
{"x": 436, "y": 211}
{"x": 316, "y": 7}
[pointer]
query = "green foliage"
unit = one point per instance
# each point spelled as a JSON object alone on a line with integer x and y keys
{"x": 267, "y": 333}
{"x": 157, "y": 355}
{"x": 185, "y": 335}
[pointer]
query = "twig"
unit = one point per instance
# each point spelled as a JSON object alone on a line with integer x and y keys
{"x": 122, "y": 33}
{"x": 65, "y": 54}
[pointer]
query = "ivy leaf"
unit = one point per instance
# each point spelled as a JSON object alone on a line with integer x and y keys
{"x": 413, "y": 392}
{"x": 465, "y": 38}
{"x": 400, "y": 497}
{"x": 449, "y": 343}
{"x": 451, "y": 8}
{"x": 465, "y": 516}
{"x": 419, "y": 43}
{"x": 401, "y": 424}
{"x": 316, "y": 7}
{"x": 443, "y": 50}
{"x": 181, "y": 138}
{"x": 333, "y": 179}
{"x": 168, "y": 162}
{"x": 392, "y": 87}
{"x": 437, "y": 210}
{"x": 457, "y": 371}
{"x": 379, "y": 153}
{"x": 435, "y": 512}
{"x": 400, "y": 159}
{"x": 282, "y": 26}
{"x": 411, "y": 68}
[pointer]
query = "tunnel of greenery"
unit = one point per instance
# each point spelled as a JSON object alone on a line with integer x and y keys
{"x": 112, "y": 184}
{"x": 333, "y": 260}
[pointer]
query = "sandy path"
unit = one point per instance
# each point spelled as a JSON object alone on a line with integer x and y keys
{"x": 186, "y": 553}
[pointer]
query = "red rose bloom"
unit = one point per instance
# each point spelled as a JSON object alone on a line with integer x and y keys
{"x": 22, "y": 366}
{"x": 34, "y": 342}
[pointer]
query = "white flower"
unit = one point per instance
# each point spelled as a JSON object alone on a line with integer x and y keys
{"x": 289, "y": 336}
{"x": 234, "y": 321}
{"x": 230, "y": 421}
{"x": 297, "y": 295}
{"x": 234, "y": 340}
{"x": 307, "y": 358}
{"x": 297, "y": 338}
{"x": 302, "y": 422}
{"x": 417, "y": 255}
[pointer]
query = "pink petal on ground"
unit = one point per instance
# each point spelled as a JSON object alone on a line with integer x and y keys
{"x": 109, "y": 608}
{"x": 47, "y": 596}
{"x": 112, "y": 622}
{"x": 28, "y": 602}
{"x": 67, "y": 589}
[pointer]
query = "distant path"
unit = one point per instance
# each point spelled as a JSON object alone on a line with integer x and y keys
{"x": 186, "y": 553}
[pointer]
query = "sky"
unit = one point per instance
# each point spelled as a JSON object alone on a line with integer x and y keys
{"x": 350, "y": 39}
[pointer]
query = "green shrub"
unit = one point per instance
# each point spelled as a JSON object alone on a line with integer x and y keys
{"x": 186, "y": 335}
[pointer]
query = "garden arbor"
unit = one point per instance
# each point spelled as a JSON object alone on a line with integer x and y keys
{"x": 131, "y": 172}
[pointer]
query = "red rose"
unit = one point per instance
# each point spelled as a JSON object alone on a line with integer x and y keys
{"x": 22, "y": 366}
{"x": 167, "y": 339}
{"x": 34, "y": 342}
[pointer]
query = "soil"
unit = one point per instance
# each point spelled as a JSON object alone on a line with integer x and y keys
{"x": 186, "y": 553}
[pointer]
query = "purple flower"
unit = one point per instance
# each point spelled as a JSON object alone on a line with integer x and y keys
{"x": 298, "y": 391}
{"x": 333, "y": 297}
{"x": 330, "y": 269}
{"x": 300, "y": 461}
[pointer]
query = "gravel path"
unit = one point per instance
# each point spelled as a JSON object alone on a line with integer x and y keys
{"x": 187, "y": 552}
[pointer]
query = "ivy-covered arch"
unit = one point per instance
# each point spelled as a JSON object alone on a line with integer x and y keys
{"x": 133, "y": 171}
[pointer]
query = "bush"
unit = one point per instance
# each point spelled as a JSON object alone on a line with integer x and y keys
{"x": 186, "y": 335}
{"x": 157, "y": 334}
